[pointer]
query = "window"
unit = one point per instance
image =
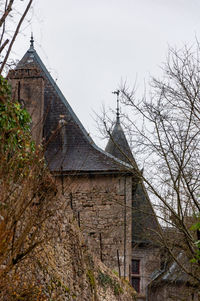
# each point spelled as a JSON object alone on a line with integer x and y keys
{"x": 135, "y": 274}
{"x": 135, "y": 282}
{"x": 135, "y": 266}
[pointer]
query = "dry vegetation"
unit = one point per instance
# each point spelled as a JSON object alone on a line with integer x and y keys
{"x": 43, "y": 255}
{"x": 27, "y": 189}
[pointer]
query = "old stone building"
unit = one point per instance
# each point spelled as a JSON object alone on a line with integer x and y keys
{"x": 102, "y": 188}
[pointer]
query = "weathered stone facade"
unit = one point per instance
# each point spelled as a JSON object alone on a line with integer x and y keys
{"x": 102, "y": 206}
{"x": 62, "y": 267}
{"x": 149, "y": 261}
{"x": 99, "y": 187}
{"x": 28, "y": 88}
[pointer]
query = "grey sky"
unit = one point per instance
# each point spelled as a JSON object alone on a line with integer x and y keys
{"x": 91, "y": 45}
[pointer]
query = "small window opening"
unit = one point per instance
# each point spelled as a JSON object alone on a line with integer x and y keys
{"x": 135, "y": 282}
{"x": 135, "y": 266}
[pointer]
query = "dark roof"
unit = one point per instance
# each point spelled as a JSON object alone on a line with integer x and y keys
{"x": 173, "y": 273}
{"x": 145, "y": 227}
{"x": 78, "y": 152}
{"x": 145, "y": 223}
{"x": 118, "y": 145}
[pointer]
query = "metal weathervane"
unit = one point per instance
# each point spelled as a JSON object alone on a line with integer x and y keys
{"x": 117, "y": 93}
{"x": 32, "y": 41}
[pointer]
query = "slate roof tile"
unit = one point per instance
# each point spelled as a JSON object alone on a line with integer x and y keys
{"x": 80, "y": 152}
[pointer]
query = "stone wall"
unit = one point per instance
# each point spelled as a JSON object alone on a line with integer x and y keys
{"x": 149, "y": 262}
{"x": 28, "y": 89}
{"x": 102, "y": 206}
{"x": 62, "y": 267}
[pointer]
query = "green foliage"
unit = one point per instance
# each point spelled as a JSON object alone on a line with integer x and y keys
{"x": 14, "y": 120}
{"x": 117, "y": 289}
{"x": 67, "y": 290}
{"x": 116, "y": 273}
{"x": 106, "y": 281}
{"x": 15, "y": 135}
{"x": 91, "y": 278}
{"x": 92, "y": 282}
{"x": 27, "y": 193}
{"x": 4, "y": 87}
{"x": 196, "y": 227}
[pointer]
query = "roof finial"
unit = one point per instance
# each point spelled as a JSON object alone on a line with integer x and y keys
{"x": 117, "y": 113}
{"x": 32, "y": 41}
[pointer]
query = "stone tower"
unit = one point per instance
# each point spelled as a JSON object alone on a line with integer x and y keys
{"x": 28, "y": 88}
{"x": 96, "y": 185}
{"x": 100, "y": 187}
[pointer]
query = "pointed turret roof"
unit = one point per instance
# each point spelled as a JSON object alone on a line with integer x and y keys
{"x": 118, "y": 145}
{"x": 144, "y": 220}
{"x": 80, "y": 153}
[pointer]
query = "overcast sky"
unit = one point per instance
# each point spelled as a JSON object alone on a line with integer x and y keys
{"x": 90, "y": 46}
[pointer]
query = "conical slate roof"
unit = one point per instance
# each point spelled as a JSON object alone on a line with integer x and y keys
{"x": 118, "y": 145}
{"x": 78, "y": 153}
{"x": 143, "y": 215}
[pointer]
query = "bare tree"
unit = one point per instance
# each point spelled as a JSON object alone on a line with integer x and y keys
{"x": 13, "y": 15}
{"x": 169, "y": 132}
{"x": 27, "y": 190}
{"x": 165, "y": 127}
